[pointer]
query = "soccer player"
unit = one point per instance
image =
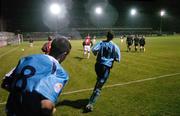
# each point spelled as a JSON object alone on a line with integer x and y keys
{"x": 31, "y": 42}
{"x": 107, "y": 52}
{"x": 142, "y": 43}
{"x": 129, "y": 42}
{"x": 122, "y": 38}
{"x": 37, "y": 81}
{"x": 136, "y": 43}
{"x": 87, "y": 46}
{"x": 47, "y": 46}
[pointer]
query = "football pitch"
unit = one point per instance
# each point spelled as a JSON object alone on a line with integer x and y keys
{"x": 142, "y": 84}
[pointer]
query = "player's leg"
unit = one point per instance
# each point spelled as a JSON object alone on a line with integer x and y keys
{"x": 102, "y": 73}
{"x": 129, "y": 47}
{"x": 140, "y": 48}
{"x": 85, "y": 51}
{"x": 135, "y": 47}
{"x": 88, "y": 51}
{"x": 143, "y": 48}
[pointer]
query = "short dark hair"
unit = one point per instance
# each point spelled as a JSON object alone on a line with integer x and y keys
{"x": 60, "y": 45}
{"x": 110, "y": 35}
{"x": 49, "y": 38}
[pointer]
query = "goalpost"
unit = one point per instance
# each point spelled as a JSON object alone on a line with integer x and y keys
{"x": 9, "y": 38}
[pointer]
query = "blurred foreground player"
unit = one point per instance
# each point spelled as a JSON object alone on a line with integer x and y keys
{"x": 37, "y": 81}
{"x": 47, "y": 46}
{"x": 107, "y": 52}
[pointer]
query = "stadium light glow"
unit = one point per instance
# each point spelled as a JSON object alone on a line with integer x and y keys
{"x": 55, "y": 8}
{"x": 98, "y": 10}
{"x": 162, "y": 13}
{"x": 133, "y": 12}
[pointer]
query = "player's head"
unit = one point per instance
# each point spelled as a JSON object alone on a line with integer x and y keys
{"x": 49, "y": 38}
{"x": 110, "y": 36}
{"x": 60, "y": 48}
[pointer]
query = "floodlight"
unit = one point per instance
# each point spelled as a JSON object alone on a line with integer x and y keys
{"x": 162, "y": 13}
{"x": 133, "y": 12}
{"x": 55, "y": 8}
{"x": 98, "y": 10}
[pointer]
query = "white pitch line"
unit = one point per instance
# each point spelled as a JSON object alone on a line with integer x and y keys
{"x": 115, "y": 85}
{"x": 8, "y": 52}
{"x": 3, "y": 103}
{"x": 121, "y": 84}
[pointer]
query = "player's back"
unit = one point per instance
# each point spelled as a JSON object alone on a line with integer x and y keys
{"x": 129, "y": 39}
{"x": 32, "y": 68}
{"x": 142, "y": 41}
{"x": 136, "y": 40}
{"x": 106, "y": 54}
{"x": 39, "y": 73}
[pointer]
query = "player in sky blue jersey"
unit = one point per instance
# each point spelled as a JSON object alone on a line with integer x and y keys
{"x": 37, "y": 81}
{"x": 107, "y": 52}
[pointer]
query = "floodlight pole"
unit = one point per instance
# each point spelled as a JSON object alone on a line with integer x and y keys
{"x": 160, "y": 30}
{"x": 162, "y": 13}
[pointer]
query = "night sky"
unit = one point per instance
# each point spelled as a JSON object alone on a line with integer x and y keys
{"x": 28, "y": 15}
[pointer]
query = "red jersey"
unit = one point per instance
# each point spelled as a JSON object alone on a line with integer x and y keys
{"x": 87, "y": 40}
{"x": 46, "y": 47}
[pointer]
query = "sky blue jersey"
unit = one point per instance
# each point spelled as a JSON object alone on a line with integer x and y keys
{"x": 107, "y": 53}
{"x": 41, "y": 73}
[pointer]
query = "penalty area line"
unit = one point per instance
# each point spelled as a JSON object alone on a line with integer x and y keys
{"x": 118, "y": 84}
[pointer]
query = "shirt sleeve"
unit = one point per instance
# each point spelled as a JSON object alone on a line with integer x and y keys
{"x": 51, "y": 87}
{"x": 96, "y": 48}
{"x": 117, "y": 53}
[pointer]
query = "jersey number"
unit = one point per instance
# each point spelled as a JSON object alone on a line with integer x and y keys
{"x": 31, "y": 71}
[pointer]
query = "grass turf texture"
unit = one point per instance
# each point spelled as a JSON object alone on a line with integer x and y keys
{"x": 160, "y": 97}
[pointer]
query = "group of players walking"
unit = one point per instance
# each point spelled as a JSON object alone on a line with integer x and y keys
{"x": 138, "y": 41}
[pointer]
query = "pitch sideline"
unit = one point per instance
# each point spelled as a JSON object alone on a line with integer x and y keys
{"x": 118, "y": 84}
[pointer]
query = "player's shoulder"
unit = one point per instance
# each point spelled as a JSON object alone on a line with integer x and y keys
{"x": 37, "y": 57}
{"x": 115, "y": 45}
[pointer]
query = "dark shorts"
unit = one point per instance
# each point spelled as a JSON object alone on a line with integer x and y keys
{"x": 142, "y": 45}
{"x": 28, "y": 104}
{"x": 102, "y": 72}
{"x": 129, "y": 44}
{"x": 136, "y": 44}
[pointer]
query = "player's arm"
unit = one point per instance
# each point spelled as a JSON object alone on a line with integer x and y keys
{"x": 117, "y": 54}
{"x": 47, "y": 108}
{"x": 96, "y": 48}
{"x": 8, "y": 79}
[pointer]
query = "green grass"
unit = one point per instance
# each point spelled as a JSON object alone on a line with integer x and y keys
{"x": 159, "y": 97}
